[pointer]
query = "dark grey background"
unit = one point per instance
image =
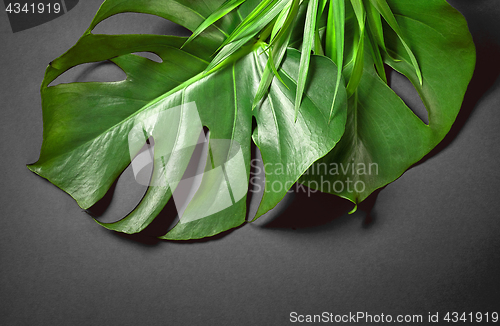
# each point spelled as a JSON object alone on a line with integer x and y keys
{"x": 430, "y": 244}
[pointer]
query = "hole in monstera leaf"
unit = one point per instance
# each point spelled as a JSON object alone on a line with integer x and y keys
{"x": 405, "y": 90}
{"x": 104, "y": 71}
{"x": 128, "y": 189}
{"x": 150, "y": 55}
{"x": 256, "y": 185}
{"x": 137, "y": 23}
{"x": 193, "y": 175}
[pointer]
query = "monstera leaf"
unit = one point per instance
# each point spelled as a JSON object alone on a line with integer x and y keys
{"x": 383, "y": 136}
{"x": 305, "y": 81}
{"x": 92, "y": 130}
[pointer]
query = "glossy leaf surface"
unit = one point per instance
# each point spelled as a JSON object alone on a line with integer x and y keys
{"x": 238, "y": 77}
{"x": 88, "y": 126}
{"x": 383, "y": 136}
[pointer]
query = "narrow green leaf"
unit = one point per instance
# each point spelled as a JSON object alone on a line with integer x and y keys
{"x": 276, "y": 62}
{"x": 257, "y": 20}
{"x": 266, "y": 32}
{"x": 286, "y": 27}
{"x": 359, "y": 11}
{"x": 86, "y": 125}
{"x": 377, "y": 57}
{"x": 226, "y": 51}
{"x": 386, "y": 12}
{"x": 275, "y": 57}
{"x": 383, "y": 135}
{"x": 229, "y": 53}
{"x": 265, "y": 82}
{"x": 223, "y": 10}
{"x": 276, "y": 54}
{"x": 280, "y": 21}
{"x": 241, "y": 32}
{"x": 375, "y": 24}
{"x": 335, "y": 33}
{"x": 357, "y": 70}
{"x": 318, "y": 48}
{"x": 271, "y": 136}
{"x": 305, "y": 57}
{"x": 322, "y": 6}
{"x": 252, "y": 15}
{"x": 244, "y": 34}
{"x": 269, "y": 73}
{"x": 330, "y": 44}
{"x": 358, "y": 59}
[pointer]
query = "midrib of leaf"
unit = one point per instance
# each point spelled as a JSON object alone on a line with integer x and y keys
{"x": 233, "y": 74}
{"x": 180, "y": 118}
{"x": 291, "y": 100}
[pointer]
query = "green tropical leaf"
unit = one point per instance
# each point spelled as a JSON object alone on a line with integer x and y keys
{"x": 377, "y": 56}
{"x": 285, "y": 144}
{"x": 383, "y": 136}
{"x": 189, "y": 14}
{"x": 88, "y": 127}
{"x": 257, "y": 20}
{"x": 280, "y": 20}
{"x": 222, "y": 78}
{"x": 386, "y": 12}
{"x": 223, "y": 10}
{"x": 280, "y": 44}
{"x": 375, "y": 23}
{"x": 335, "y": 35}
{"x": 307, "y": 45}
{"x": 359, "y": 48}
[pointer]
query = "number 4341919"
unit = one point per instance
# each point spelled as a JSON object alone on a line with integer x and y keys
{"x": 455, "y": 317}
{"x": 39, "y": 8}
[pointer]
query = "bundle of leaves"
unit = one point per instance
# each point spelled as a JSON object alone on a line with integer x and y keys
{"x": 305, "y": 81}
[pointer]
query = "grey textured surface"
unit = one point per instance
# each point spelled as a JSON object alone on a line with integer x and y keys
{"x": 430, "y": 244}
